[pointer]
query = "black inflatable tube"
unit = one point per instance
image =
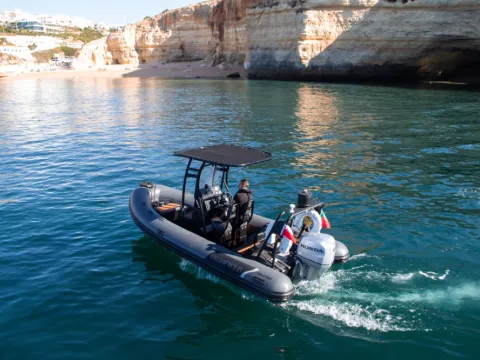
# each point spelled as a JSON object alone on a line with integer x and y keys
{"x": 257, "y": 278}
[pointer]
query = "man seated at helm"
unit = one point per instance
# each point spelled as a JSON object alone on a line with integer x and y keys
{"x": 243, "y": 196}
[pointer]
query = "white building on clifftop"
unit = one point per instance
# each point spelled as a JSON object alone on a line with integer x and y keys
{"x": 55, "y": 20}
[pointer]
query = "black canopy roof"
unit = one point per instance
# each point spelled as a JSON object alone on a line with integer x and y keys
{"x": 227, "y": 155}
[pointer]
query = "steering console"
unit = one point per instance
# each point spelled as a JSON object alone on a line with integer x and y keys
{"x": 225, "y": 199}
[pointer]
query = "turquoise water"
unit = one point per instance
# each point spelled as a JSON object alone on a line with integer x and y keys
{"x": 399, "y": 169}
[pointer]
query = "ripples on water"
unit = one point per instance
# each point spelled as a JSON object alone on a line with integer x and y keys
{"x": 399, "y": 169}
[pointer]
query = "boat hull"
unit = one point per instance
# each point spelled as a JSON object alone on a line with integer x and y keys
{"x": 229, "y": 265}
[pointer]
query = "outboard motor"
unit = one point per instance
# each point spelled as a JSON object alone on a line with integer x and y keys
{"x": 317, "y": 251}
{"x": 315, "y": 255}
{"x": 341, "y": 252}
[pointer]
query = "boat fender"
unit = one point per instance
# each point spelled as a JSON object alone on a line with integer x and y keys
{"x": 306, "y": 217}
{"x": 287, "y": 240}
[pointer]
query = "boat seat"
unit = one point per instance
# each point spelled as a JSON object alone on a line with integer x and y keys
{"x": 169, "y": 210}
{"x": 222, "y": 229}
{"x": 208, "y": 203}
{"x": 202, "y": 213}
{"x": 245, "y": 214}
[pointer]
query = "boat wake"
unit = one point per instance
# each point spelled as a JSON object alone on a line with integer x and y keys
{"x": 368, "y": 299}
{"x": 381, "y": 301}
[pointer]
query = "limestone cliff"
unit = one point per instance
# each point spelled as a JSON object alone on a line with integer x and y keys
{"x": 311, "y": 39}
{"x": 95, "y": 53}
{"x": 321, "y": 39}
{"x": 122, "y": 46}
{"x": 213, "y": 30}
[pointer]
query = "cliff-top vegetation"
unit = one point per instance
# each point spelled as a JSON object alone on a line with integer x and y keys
{"x": 46, "y": 55}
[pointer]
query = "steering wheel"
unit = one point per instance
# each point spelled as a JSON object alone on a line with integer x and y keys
{"x": 226, "y": 199}
{"x": 207, "y": 190}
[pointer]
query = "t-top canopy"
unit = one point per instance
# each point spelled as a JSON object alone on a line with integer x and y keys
{"x": 227, "y": 155}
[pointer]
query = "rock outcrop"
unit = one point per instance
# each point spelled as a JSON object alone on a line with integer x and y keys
{"x": 95, "y": 53}
{"x": 123, "y": 46}
{"x": 311, "y": 39}
{"x": 213, "y": 30}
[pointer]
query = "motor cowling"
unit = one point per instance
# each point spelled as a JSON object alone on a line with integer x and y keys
{"x": 341, "y": 252}
{"x": 315, "y": 255}
{"x": 304, "y": 198}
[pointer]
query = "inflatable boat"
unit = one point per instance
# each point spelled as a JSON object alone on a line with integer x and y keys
{"x": 209, "y": 228}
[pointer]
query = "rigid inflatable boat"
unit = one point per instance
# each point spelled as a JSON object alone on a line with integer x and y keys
{"x": 264, "y": 256}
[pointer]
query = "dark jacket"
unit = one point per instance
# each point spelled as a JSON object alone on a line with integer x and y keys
{"x": 242, "y": 197}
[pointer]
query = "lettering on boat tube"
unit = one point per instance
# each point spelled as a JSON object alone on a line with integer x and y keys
{"x": 230, "y": 265}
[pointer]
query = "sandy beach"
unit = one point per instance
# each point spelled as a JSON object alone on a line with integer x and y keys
{"x": 183, "y": 70}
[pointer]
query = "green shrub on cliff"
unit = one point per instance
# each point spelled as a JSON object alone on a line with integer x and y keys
{"x": 46, "y": 55}
{"x": 4, "y": 41}
{"x": 7, "y": 59}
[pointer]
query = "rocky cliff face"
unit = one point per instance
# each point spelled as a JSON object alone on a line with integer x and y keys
{"x": 122, "y": 46}
{"x": 95, "y": 53}
{"x": 213, "y": 30}
{"x": 311, "y": 39}
{"x": 177, "y": 35}
{"x": 321, "y": 39}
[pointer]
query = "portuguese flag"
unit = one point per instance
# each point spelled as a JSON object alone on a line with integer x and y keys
{"x": 325, "y": 222}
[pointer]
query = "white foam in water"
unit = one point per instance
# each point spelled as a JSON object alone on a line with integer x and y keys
{"x": 434, "y": 276}
{"x": 403, "y": 277}
{"x": 358, "y": 256}
{"x": 428, "y": 274}
{"x": 399, "y": 278}
{"x": 452, "y": 295}
{"x": 327, "y": 283}
{"x": 444, "y": 275}
{"x": 199, "y": 273}
{"x": 337, "y": 295}
{"x": 361, "y": 273}
{"x": 336, "y": 299}
{"x": 354, "y": 315}
{"x": 470, "y": 193}
{"x": 362, "y": 255}
{"x": 203, "y": 274}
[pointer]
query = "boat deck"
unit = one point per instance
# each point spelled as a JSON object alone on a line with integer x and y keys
{"x": 266, "y": 258}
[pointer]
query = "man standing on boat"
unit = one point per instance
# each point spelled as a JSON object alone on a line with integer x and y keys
{"x": 243, "y": 195}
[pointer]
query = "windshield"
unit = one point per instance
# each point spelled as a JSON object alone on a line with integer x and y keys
{"x": 211, "y": 176}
